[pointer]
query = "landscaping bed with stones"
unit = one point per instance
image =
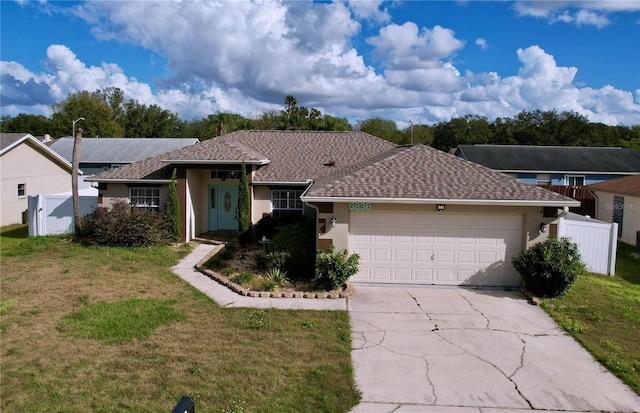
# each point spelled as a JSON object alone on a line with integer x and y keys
{"x": 244, "y": 261}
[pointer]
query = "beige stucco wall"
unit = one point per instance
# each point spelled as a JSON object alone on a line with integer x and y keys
{"x": 630, "y": 215}
{"x": 531, "y": 219}
{"x": 261, "y": 202}
{"x": 24, "y": 164}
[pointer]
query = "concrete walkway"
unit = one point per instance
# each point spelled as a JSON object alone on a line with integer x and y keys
{"x": 452, "y": 350}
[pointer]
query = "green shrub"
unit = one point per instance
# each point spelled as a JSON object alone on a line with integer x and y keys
{"x": 267, "y": 285}
{"x": 299, "y": 241}
{"x": 278, "y": 258}
{"x": 172, "y": 211}
{"x": 335, "y": 268}
{"x": 549, "y": 268}
{"x": 277, "y": 275}
{"x": 125, "y": 226}
{"x": 228, "y": 252}
{"x": 243, "y": 278}
{"x": 260, "y": 261}
{"x": 215, "y": 263}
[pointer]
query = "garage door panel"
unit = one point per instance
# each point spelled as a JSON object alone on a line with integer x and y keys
{"x": 487, "y": 257}
{"x": 382, "y": 273}
{"x": 466, "y": 257}
{"x": 446, "y": 275}
{"x": 424, "y": 256}
{"x": 403, "y": 274}
{"x": 424, "y": 275}
{"x": 382, "y": 254}
{"x": 403, "y": 255}
{"x": 436, "y": 248}
{"x": 444, "y": 256}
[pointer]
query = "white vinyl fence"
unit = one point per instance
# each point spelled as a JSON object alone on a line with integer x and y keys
{"x": 53, "y": 214}
{"x": 597, "y": 241}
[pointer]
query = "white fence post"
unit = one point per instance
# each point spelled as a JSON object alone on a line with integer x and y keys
{"x": 613, "y": 248}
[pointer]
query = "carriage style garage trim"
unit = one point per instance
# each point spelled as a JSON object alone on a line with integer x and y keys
{"x": 415, "y": 214}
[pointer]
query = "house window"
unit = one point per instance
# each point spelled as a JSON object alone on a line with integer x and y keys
{"x": 618, "y": 212}
{"x": 286, "y": 205}
{"x": 145, "y": 197}
{"x": 574, "y": 180}
{"x": 22, "y": 189}
{"x": 543, "y": 179}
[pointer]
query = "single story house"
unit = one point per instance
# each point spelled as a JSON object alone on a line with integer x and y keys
{"x": 555, "y": 165}
{"x": 103, "y": 154}
{"x": 618, "y": 201}
{"x": 415, "y": 215}
{"x": 28, "y": 167}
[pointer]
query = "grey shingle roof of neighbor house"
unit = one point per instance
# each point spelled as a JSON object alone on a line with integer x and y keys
{"x": 628, "y": 185}
{"x": 434, "y": 175}
{"x": 345, "y": 164}
{"x": 119, "y": 150}
{"x": 553, "y": 158}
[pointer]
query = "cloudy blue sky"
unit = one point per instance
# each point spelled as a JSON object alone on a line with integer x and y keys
{"x": 408, "y": 61}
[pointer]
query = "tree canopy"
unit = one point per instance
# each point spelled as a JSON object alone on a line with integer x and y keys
{"x": 107, "y": 113}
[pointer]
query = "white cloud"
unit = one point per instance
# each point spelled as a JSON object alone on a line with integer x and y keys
{"x": 407, "y": 47}
{"x": 242, "y": 59}
{"x": 578, "y": 12}
{"x": 369, "y": 10}
{"x": 482, "y": 43}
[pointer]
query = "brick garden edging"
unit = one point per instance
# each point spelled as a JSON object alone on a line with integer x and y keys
{"x": 346, "y": 291}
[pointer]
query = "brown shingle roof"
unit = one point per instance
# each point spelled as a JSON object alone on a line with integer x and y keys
{"x": 362, "y": 166}
{"x": 629, "y": 185}
{"x": 293, "y": 156}
{"x": 421, "y": 172}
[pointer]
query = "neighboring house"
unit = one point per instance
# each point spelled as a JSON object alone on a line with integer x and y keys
{"x": 618, "y": 201}
{"x": 414, "y": 214}
{"x": 104, "y": 154}
{"x": 555, "y": 165}
{"x": 28, "y": 167}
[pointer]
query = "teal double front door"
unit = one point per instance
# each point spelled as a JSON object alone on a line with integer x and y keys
{"x": 223, "y": 207}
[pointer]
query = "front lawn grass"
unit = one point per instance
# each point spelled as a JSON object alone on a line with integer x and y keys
{"x": 111, "y": 329}
{"x": 603, "y": 314}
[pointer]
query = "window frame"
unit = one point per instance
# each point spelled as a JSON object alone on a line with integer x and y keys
{"x": 22, "y": 190}
{"x": 567, "y": 179}
{"x": 155, "y": 194}
{"x": 286, "y": 204}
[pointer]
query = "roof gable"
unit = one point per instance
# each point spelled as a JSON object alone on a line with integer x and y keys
{"x": 508, "y": 158}
{"x": 422, "y": 173}
{"x": 12, "y": 140}
{"x": 628, "y": 185}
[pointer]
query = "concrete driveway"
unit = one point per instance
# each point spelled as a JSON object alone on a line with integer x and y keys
{"x": 463, "y": 350}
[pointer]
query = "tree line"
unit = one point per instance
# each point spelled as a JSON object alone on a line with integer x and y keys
{"x": 107, "y": 113}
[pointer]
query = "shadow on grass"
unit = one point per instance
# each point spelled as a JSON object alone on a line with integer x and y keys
{"x": 627, "y": 265}
{"x": 19, "y": 232}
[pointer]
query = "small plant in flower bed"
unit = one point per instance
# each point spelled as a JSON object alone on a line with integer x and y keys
{"x": 244, "y": 277}
{"x": 335, "y": 268}
{"x": 277, "y": 276}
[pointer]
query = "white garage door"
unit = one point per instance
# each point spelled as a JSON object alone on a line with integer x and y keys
{"x": 436, "y": 248}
